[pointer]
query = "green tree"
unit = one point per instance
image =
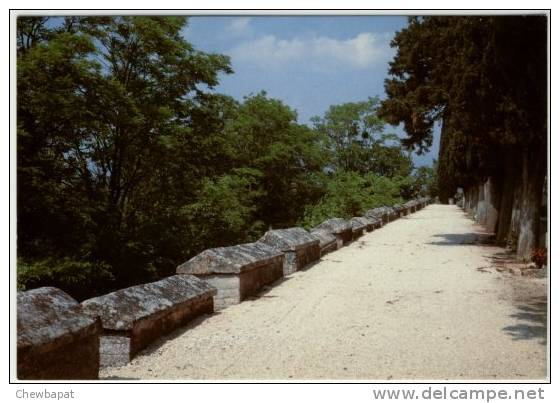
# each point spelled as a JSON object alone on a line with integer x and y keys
{"x": 425, "y": 180}
{"x": 348, "y": 194}
{"x": 128, "y": 164}
{"x": 102, "y": 103}
{"x": 358, "y": 142}
{"x": 266, "y": 137}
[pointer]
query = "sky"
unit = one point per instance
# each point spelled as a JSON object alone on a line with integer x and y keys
{"x": 308, "y": 62}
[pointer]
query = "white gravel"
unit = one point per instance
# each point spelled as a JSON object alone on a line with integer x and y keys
{"x": 403, "y": 302}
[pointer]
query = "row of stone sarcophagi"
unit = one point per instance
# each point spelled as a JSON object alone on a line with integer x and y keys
{"x": 59, "y": 338}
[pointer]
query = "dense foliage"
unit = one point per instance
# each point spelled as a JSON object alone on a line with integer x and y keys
{"x": 485, "y": 80}
{"x": 129, "y": 163}
{"x": 483, "y": 77}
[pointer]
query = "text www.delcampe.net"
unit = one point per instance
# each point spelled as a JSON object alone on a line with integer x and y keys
{"x": 443, "y": 393}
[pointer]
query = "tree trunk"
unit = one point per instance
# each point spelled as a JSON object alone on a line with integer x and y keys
{"x": 533, "y": 170}
{"x": 509, "y": 183}
{"x": 493, "y": 196}
{"x": 471, "y": 199}
{"x": 480, "y": 216}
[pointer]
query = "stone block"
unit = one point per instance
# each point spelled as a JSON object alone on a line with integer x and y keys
{"x": 340, "y": 228}
{"x": 377, "y": 222}
{"x": 400, "y": 210}
{"x": 380, "y": 214}
{"x": 56, "y": 340}
{"x": 299, "y": 246}
{"x": 391, "y": 212}
{"x": 134, "y": 317}
{"x": 327, "y": 241}
{"x": 409, "y": 207}
{"x": 237, "y": 272}
{"x": 359, "y": 226}
{"x": 371, "y": 223}
{"x": 424, "y": 201}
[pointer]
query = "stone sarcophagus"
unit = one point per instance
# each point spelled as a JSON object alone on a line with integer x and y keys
{"x": 55, "y": 339}
{"x": 406, "y": 208}
{"x": 134, "y": 317}
{"x": 299, "y": 246}
{"x": 327, "y": 241}
{"x": 376, "y": 222}
{"x": 410, "y": 206}
{"x": 400, "y": 210}
{"x": 380, "y": 214}
{"x": 359, "y": 225}
{"x": 370, "y": 223}
{"x": 393, "y": 213}
{"x": 237, "y": 272}
{"x": 340, "y": 228}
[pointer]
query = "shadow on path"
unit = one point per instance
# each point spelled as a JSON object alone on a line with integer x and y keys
{"x": 530, "y": 321}
{"x": 470, "y": 238}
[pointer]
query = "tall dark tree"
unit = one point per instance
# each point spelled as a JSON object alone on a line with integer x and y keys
{"x": 485, "y": 79}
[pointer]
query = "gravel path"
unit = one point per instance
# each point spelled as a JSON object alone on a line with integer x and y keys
{"x": 416, "y": 299}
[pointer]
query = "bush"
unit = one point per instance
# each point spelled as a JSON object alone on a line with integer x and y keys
{"x": 350, "y": 194}
{"x": 223, "y": 213}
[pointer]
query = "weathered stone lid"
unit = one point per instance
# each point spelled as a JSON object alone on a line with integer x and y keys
{"x": 410, "y": 203}
{"x": 377, "y": 212}
{"x": 119, "y": 310}
{"x": 289, "y": 239}
{"x": 324, "y": 236}
{"x": 231, "y": 259}
{"x": 335, "y": 225}
{"x": 398, "y": 207}
{"x": 371, "y": 220}
{"x": 48, "y": 318}
{"x": 358, "y": 223}
{"x": 390, "y": 210}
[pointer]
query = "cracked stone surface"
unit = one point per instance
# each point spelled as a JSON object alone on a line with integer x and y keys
{"x": 121, "y": 309}
{"x": 230, "y": 259}
{"x": 289, "y": 239}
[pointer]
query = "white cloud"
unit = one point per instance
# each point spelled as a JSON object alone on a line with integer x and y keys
{"x": 363, "y": 51}
{"x": 239, "y": 26}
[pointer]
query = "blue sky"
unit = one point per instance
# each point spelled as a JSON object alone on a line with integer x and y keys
{"x": 309, "y": 62}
